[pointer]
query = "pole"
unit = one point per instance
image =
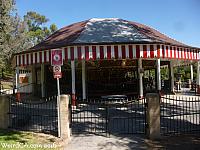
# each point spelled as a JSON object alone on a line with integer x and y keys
{"x": 140, "y": 78}
{"x": 83, "y": 80}
{"x": 158, "y": 75}
{"x": 58, "y": 107}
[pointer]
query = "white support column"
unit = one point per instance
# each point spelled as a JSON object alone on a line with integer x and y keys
{"x": 17, "y": 78}
{"x": 73, "y": 83}
{"x": 198, "y": 77}
{"x": 140, "y": 78}
{"x": 33, "y": 79}
{"x": 172, "y": 75}
{"x": 158, "y": 75}
{"x": 83, "y": 79}
{"x": 191, "y": 73}
{"x": 42, "y": 81}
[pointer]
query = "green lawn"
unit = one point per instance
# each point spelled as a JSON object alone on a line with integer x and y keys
{"x": 15, "y": 140}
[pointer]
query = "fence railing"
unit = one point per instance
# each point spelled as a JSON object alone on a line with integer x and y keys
{"x": 180, "y": 114}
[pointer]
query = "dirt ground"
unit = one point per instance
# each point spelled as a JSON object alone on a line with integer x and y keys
{"x": 94, "y": 142}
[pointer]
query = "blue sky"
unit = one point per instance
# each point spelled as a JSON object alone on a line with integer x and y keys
{"x": 179, "y": 19}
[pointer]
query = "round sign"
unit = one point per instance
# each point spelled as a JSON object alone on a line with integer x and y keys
{"x": 56, "y": 57}
{"x": 57, "y": 69}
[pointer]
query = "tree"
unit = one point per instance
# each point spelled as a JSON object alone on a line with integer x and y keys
{"x": 36, "y": 29}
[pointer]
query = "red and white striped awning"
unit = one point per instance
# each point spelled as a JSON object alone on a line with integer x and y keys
{"x": 108, "y": 52}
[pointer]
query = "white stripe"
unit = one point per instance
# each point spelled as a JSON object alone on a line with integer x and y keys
{"x": 148, "y": 50}
{"x": 112, "y": 51}
{"x": 141, "y": 50}
{"x": 42, "y": 56}
{"x": 47, "y": 55}
{"x": 38, "y": 57}
{"x": 25, "y": 59}
{"x": 127, "y": 51}
{"x": 179, "y": 55}
{"x": 134, "y": 51}
{"x": 192, "y": 54}
{"x": 21, "y": 60}
{"x": 69, "y": 52}
{"x": 172, "y": 52}
{"x": 183, "y": 55}
{"x": 176, "y": 52}
{"x": 17, "y": 57}
{"x": 90, "y": 52}
{"x": 97, "y": 52}
{"x": 75, "y": 52}
{"x": 161, "y": 51}
{"x": 155, "y": 50}
{"x": 198, "y": 55}
{"x": 105, "y": 51}
{"x": 33, "y": 58}
{"x": 82, "y": 52}
{"x": 165, "y": 47}
{"x": 119, "y": 51}
{"x": 169, "y": 52}
{"x": 29, "y": 58}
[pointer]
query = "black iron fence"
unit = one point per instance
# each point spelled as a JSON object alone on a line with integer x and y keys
{"x": 38, "y": 115}
{"x": 180, "y": 114}
{"x": 109, "y": 116}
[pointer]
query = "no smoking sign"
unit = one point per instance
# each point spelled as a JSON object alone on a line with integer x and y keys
{"x": 56, "y": 68}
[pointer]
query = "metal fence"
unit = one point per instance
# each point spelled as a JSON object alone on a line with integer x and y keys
{"x": 34, "y": 115}
{"x": 180, "y": 114}
{"x": 109, "y": 116}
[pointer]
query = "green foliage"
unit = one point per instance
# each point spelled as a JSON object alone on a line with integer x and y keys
{"x": 36, "y": 29}
{"x": 18, "y": 34}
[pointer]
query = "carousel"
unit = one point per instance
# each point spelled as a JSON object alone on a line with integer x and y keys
{"x": 102, "y": 57}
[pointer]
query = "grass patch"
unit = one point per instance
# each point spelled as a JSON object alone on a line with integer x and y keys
{"x": 15, "y": 140}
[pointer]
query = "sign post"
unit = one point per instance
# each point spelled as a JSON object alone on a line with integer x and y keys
{"x": 57, "y": 62}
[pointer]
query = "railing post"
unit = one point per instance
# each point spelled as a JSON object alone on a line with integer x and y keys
{"x": 4, "y": 110}
{"x": 153, "y": 115}
{"x": 64, "y": 117}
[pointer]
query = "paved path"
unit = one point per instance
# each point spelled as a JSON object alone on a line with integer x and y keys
{"x": 94, "y": 142}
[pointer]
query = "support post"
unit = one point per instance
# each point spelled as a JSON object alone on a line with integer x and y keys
{"x": 140, "y": 74}
{"x": 191, "y": 77}
{"x": 42, "y": 81}
{"x": 64, "y": 117}
{"x": 73, "y": 83}
{"x": 17, "y": 78}
{"x": 158, "y": 75}
{"x": 4, "y": 110}
{"x": 83, "y": 80}
{"x": 198, "y": 77}
{"x": 153, "y": 116}
{"x": 33, "y": 79}
{"x": 172, "y": 75}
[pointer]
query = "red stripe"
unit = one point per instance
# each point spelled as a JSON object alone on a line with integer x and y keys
{"x": 185, "y": 51}
{"x": 130, "y": 48}
{"x": 40, "y": 57}
{"x": 27, "y": 59}
{"x": 86, "y": 52}
{"x": 182, "y": 55}
{"x": 45, "y": 56}
{"x": 175, "y": 51}
{"x": 151, "y": 51}
{"x": 163, "y": 51}
{"x": 31, "y": 58}
{"x": 178, "y": 52}
{"x": 108, "y": 52}
{"x": 72, "y": 53}
{"x": 101, "y": 52}
{"x": 158, "y": 51}
{"x": 170, "y": 51}
{"x": 138, "y": 51}
{"x": 35, "y": 58}
{"x": 123, "y": 52}
{"x": 94, "y": 54}
{"x": 66, "y": 54}
{"x": 116, "y": 51}
{"x": 144, "y": 51}
{"x": 79, "y": 52}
